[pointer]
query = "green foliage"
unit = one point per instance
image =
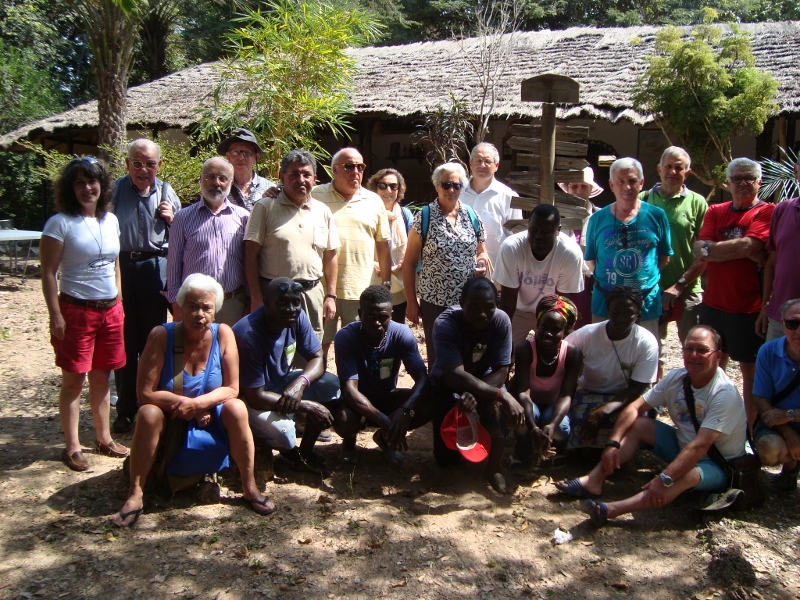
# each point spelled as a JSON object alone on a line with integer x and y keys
{"x": 704, "y": 90}
{"x": 445, "y": 133}
{"x": 21, "y": 191}
{"x": 182, "y": 166}
{"x": 290, "y": 76}
{"x": 778, "y": 177}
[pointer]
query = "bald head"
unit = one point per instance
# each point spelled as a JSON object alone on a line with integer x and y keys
{"x": 216, "y": 180}
{"x": 143, "y": 163}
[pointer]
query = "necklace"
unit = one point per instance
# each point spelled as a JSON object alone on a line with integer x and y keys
{"x": 99, "y": 243}
{"x": 555, "y": 358}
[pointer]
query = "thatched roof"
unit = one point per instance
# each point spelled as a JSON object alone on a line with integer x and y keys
{"x": 401, "y": 81}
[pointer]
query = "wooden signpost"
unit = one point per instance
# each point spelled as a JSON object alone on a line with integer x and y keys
{"x": 557, "y": 151}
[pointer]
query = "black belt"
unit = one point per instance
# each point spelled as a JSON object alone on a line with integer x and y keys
{"x": 87, "y": 303}
{"x": 144, "y": 255}
{"x": 305, "y": 284}
{"x": 229, "y": 295}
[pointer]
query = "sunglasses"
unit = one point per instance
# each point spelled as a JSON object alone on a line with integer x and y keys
{"x": 448, "y": 185}
{"x": 350, "y": 167}
{"x": 702, "y": 352}
{"x": 624, "y": 238}
{"x": 244, "y": 153}
{"x": 292, "y": 287}
{"x": 89, "y": 159}
{"x": 150, "y": 164}
{"x": 791, "y": 324}
{"x": 388, "y": 186}
{"x": 747, "y": 180}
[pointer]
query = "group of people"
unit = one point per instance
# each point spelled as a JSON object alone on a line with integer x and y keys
{"x": 258, "y": 277}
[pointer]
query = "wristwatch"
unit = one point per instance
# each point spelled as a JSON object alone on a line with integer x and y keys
{"x": 666, "y": 480}
{"x": 704, "y": 249}
{"x": 387, "y": 284}
{"x": 790, "y": 414}
{"x": 682, "y": 280}
{"x": 612, "y": 444}
{"x": 331, "y": 296}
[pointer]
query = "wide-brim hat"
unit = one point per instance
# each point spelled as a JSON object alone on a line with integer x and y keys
{"x": 461, "y": 431}
{"x": 240, "y": 135}
{"x": 588, "y": 177}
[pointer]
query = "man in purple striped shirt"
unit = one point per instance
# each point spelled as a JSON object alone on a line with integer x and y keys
{"x": 208, "y": 238}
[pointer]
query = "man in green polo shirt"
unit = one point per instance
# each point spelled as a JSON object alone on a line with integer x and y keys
{"x": 681, "y": 293}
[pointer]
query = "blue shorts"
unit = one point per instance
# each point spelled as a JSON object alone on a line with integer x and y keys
{"x": 761, "y": 430}
{"x": 712, "y": 477}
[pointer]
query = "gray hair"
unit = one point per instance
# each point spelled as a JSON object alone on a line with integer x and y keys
{"x": 489, "y": 146}
{"x": 338, "y": 153}
{"x": 143, "y": 143}
{"x": 202, "y": 283}
{"x": 221, "y": 159}
{"x": 787, "y": 305}
{"x": 626, "y": 163}
{"x": 743, "y": 164}
{"x": 676, "y": 152}
{"x": 450, "y": 167}
{"x": 298, "y": 157}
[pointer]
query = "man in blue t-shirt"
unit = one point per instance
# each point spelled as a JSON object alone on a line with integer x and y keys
{"x": 368, "y": 357}
{"x": 628, "y": 243}
{"x": 473, "y": 354}
{"x": 268, "y": 340}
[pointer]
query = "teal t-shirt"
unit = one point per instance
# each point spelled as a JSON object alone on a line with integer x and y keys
{"x": 627, "y": 254}
{"x": 685, "y": 213}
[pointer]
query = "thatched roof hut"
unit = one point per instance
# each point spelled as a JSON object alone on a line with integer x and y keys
{"x": 403, "y": 81}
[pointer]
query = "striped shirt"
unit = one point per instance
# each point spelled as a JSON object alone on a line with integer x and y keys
{"x": 203, "y": 242}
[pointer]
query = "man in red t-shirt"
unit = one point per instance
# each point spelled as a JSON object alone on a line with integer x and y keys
{"x": 732, "y": 243}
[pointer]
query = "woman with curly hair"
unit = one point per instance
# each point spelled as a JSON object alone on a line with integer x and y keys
{"x": 81, "y": 286}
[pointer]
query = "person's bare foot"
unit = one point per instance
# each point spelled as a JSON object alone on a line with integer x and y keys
{"x": 498, "y": 483}
{"x": 129, "y": 514}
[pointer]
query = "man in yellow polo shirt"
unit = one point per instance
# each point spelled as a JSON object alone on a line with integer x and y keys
{"x": 294, "y": 236}
{"x": 363, "y": 230}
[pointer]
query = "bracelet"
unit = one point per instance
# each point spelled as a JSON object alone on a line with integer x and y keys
{"x": 612, "y": 444}
{"x": 387, "y": 284}
{"x": 334, "y": 296}
{"x": 307, "y": 380}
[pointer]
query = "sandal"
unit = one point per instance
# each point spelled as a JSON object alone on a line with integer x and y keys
{"x": 123, "y": 516}
{"x": 263, "y": 504}
{"x": 574, "y": 487}
{"x": 598, "y": 512}
{"x": 786, "y": 480}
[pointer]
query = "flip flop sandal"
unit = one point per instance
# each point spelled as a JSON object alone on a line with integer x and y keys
{"x": 574, "y": 487}
{"x": 598, "y": 512}
{"x": 263, "y": 502}
{"x": 123, "y": 516}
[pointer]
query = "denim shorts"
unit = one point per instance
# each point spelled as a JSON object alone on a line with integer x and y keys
{"x": 712, "y": 477}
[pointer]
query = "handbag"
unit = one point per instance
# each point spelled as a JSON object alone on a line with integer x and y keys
{"x": 744, "y": 471}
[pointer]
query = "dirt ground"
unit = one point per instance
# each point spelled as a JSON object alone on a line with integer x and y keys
{"x": 369, "y": 532}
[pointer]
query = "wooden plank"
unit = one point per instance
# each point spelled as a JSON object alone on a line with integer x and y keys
{"x": 534, "y": 146}
{"x": 563, "y": 133}
{"x": 565, "y": 203}
{"x": 547, "y": 164}
{"x": 551, "y": 88}
{"x": 533, "y": 177}
{"x": 563, "y": 163}
{"x": 520, "y": 225}
{"x": 513, "y": 224}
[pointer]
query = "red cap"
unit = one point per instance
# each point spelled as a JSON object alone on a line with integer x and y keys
{"x": 463, "y": 433}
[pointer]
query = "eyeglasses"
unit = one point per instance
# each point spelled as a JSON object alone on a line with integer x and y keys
{"x": 223, "y": 179}
{"x": 243, "y": 153}
{"x": 624, "y": 238}
{"x": 482, "y": 162}
{"x": 150, "y": 164}
{"x": 448, "y": 185}
{"x": 748, "y": 180}
{"x": 702, "y": 352}
{"x": 349, "y": 167}
{"x": 791, "y": 324}
{"x": 390, "y": 186}
{"x": 293, "y": 287}
{"x": 89, "y": 159}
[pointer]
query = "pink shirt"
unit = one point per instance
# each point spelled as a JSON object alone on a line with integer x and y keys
{"x": 784, "y": 239}
{"x": 546, "y": 390}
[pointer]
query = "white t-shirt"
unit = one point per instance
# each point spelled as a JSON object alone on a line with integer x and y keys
{"x": 493, "y": 206}
{"x": 560, "y": 270}
{"x": 604, "y": 361}
{"x": 718, "y": 407}
{"x": 87, "y": 268}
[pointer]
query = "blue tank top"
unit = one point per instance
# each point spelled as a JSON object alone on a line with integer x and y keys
{"x": 206, "y": 380}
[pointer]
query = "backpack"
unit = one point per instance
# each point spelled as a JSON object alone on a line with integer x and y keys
{"x": 426, "y": 217}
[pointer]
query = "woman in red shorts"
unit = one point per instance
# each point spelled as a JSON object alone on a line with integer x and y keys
{"x": 80, "y": 283}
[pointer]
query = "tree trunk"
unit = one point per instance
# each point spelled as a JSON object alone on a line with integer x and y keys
{"x": 112, "y": 35}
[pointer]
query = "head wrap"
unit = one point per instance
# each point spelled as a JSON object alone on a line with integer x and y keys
{"x": 561, "y": 305}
